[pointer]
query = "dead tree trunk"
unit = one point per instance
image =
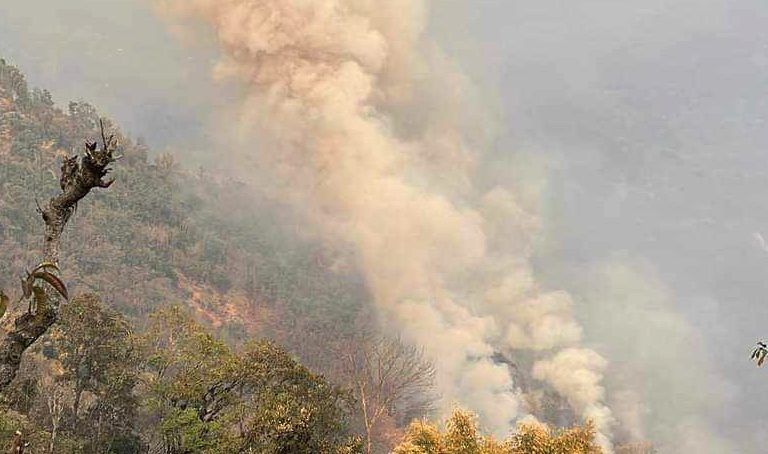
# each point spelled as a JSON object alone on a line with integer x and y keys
{"x": 20, "y": 327}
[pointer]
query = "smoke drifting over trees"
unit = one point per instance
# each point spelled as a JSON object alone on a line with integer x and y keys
{"x": 554, "y": 204}
{"x": 327, "y": 83}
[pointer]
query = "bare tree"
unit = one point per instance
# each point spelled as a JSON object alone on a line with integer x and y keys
{"x": 388, "y": 377}
{"x": 42, "y": 287}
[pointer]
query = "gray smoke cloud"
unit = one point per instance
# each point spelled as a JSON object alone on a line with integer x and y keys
{"x": 328, "y": 82}
{"x": 660, "y": 364}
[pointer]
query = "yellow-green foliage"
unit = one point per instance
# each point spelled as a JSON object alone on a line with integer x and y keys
{"x": 462, "y": 436}
{"x": 421, "y": 438}
{"x": 533, "y": 438}
{"x": 210, "y": 399}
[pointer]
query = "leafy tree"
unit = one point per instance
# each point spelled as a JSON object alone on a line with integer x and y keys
{"x": 96, "y": 349}
{"x": 289, "y": 409}
{"x": 462, "y": 436}
{"x": 98, "y": 356}
{"x": 538, "y": 438}
{"x": 210, "y": 399}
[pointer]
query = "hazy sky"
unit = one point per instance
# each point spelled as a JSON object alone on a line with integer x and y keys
{"x": 647, "y": 119}
{"x": 652, "y": 116}
{"x": 116, "y": 55}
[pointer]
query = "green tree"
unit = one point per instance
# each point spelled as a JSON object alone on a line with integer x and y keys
{"x": 288, "y": 408}
{"x": 462, "y": 436}
{"x": 98, "y": 355}
{"x": 209, "y": 399}
{"x": 538, "y": 438}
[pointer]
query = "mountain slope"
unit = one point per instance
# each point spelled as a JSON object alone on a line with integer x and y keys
{"x": 161, "y": 234}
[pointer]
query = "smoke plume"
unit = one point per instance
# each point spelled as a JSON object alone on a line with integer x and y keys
{"x": 352, "y": 133}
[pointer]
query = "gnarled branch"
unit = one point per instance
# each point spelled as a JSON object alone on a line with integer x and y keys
{"x": 20, "y": 327}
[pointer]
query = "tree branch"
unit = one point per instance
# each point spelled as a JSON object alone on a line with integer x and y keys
{"x": 77, "y": 180}
{"x": 20, "y": 328}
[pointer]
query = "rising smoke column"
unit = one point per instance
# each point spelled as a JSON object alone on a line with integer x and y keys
{"x": 331, "y": 95}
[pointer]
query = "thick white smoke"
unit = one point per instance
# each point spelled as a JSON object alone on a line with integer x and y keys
{"x": 332, "y": 92}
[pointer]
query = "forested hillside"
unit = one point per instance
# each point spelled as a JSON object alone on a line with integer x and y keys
{"x": 162, "y": 234}
{"x": 201, "y": 323}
